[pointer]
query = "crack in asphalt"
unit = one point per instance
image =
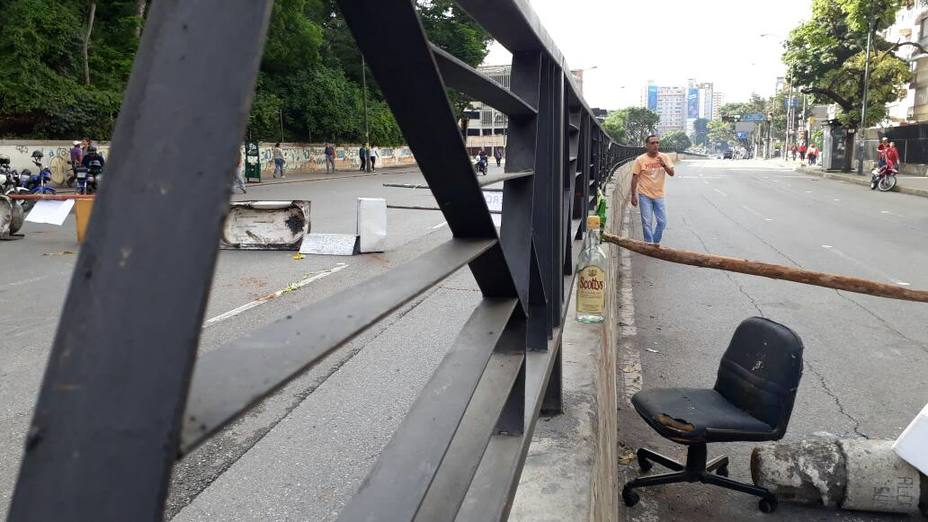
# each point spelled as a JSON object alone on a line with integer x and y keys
{"x": 835, "y": 398}
{"x": 727, "y": 273}
{"x": 749, "y": 231}
{"x": 821, "y": 378}
{"x": 922, "y": 346}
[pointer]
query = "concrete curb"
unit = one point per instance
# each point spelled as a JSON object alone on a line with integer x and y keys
{"x": 861, "y": 180}
{"x": 304, "y": 178}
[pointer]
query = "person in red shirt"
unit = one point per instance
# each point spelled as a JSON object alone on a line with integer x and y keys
{"x": 802, "y": 151}
{"x": 892, "y": 156}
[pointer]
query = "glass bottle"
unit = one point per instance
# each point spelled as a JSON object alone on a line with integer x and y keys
{"x": 591, "y": 287}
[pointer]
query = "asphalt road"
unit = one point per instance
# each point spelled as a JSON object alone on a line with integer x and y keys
{"x": 865, "y": 357}
{"x": 403, "y": 350}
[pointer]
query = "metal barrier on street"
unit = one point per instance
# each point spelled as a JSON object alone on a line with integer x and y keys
{"x": 124, "y": 394}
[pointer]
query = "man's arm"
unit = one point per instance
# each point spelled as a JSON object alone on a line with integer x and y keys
{"x": 668, "y": 168}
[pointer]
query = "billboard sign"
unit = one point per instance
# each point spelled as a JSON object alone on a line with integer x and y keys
{"x": 692, "y": 103}
{"x": 755, "y": 116}
{"x": 652, "y": 98}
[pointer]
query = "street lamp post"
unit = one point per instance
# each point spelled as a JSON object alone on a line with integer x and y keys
{"x": 863, "y": 111}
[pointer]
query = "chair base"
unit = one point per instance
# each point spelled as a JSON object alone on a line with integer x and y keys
{"x": 696, "y": 469}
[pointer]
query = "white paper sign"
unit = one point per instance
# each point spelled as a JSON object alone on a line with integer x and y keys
{"x": 330, "y": 244}
{"x": 51, "y": 212}
{"x": 494, "y": 200}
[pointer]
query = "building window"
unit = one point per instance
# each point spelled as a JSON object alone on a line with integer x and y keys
{"x": 473, "y": 132}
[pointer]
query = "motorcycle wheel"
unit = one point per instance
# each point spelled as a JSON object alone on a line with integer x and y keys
{"x": 873, "y": 183}
{"x": 887, "y": 183}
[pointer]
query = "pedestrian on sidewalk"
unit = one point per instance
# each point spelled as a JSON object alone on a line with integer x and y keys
{"x": 329, "y": 158}
{"x": 77, "y": 155}
{"x": 278, "y": 155}
{"x": 498, "y": 154}
{"x": 362, "y": 155}
{"x": 794, "y": 150}
{"x": 239, "y": 180}
{"x": 812, "y": 154}
{"x": 802, "y": 151}
{"x": 648, "y": 176}
{"x": 374, "y": 154}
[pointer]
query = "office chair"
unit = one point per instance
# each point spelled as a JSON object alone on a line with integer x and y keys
{"x": 752, "y": 401}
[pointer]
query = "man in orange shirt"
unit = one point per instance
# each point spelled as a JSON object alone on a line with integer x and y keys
{"x": 648, "y": 175}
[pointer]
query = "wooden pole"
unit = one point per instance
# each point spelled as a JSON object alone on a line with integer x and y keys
{"x": 757, "y": 268}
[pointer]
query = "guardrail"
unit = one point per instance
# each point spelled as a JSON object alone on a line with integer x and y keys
{"x": 124, "y": 395}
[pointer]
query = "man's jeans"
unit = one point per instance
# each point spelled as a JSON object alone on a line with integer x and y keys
{"x": 329, "y": 164}
{"x": 278, "y": 167}
{"x": 652, "y": 210}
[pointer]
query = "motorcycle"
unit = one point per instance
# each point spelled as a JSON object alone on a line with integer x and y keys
{"x": 883, "y": 178}
{"x": 481, "y": 166}
{"x": 88, "y": 178}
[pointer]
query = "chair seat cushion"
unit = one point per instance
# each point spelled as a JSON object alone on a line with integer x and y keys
{"x": 694, "y": 416}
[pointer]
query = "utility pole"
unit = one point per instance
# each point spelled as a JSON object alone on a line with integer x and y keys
{"x": 367, "y": 137}
{"x": 863, "y": 112}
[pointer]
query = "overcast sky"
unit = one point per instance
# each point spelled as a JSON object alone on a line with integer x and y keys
{"x": 669, "y": 41}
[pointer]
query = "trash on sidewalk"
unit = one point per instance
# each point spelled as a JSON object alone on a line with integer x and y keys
{"x": 266, "y": 225}
{"x": 912, "y": 444}
{"x": 853, "y": 474}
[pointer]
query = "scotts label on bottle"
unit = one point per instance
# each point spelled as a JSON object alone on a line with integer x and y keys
{"x": 591, "y": 290}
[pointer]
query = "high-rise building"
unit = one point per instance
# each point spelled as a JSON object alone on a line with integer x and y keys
{"x": 718, "y": 99}
{"x": 700, "y": 103}
{"x": 670, "y": 105}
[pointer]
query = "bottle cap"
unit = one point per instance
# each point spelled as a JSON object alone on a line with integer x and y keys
{"x": 592, "y": 222}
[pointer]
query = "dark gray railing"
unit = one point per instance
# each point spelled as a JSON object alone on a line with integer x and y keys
{"x": 124, "y": 395}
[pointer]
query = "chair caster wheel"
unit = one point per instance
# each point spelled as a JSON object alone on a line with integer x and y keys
{"x": 768, "y": 504}
{"x": 644, "y": 463}
{"x": 722, "y": 472}
{"x": 629, "y": 497}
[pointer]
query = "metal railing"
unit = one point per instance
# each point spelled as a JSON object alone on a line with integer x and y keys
{"x": 124, "y": 394}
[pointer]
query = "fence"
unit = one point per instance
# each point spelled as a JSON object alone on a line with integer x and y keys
{"x": 124, "y": 394}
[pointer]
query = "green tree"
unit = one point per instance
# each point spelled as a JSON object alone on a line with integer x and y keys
{"x": 676, "y": 141}
{"x": 631, "y": 125}
{"x": 614, "y": 125}
{"x": 452, "y": 29}
{"x": 722, "y": 133}
{"x": 826, "y": 57}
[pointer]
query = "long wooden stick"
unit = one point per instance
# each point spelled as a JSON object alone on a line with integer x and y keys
{"x": 746, "y": 266}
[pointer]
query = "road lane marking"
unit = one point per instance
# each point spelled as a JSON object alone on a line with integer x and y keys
{"x": 720, "y": 192}
{"x": 866, "y": 266}
{"x": 27, "y": 281}
{"x": 752, "y": 211}
{"x": 270, "y": 297}
{"x": 436, "y": 227}
{"x": 632, "y": 375}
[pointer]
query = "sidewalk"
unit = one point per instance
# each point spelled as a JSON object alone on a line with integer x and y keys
{"x": 302, "y": 177}
{"x": 914, "y": 185}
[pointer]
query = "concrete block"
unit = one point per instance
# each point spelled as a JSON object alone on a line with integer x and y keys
{"x": 877, "y": 479}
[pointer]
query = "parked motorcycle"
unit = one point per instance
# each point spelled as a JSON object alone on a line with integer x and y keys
{"x": 883, "y": 178}
{"x": 481, "y": 166}
{"x": 89, "y": 177}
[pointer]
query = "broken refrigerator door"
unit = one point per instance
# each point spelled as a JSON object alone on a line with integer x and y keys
{"x": 266, "y": 225}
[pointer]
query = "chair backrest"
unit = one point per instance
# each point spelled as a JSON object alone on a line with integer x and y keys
{"x": 761, "y": 369}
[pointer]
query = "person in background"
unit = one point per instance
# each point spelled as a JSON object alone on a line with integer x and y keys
{"x": 374, "y": 154}
{"x": 77, "y": 156}
{"x": 498, "y": 154}
{"x": 802, "y": 151}
{"x": 881, "y": 152}
{"x": 812, "y": 154}
{"x": 329, "y": 158}
{"x": 892, "y": 156}
{"x": 648, "y": 175}
{"x": 92, "y": 155}
{"x": 278, "y": 155}
{"x": 239, "y": 180}
{"x": 362, "y": 155}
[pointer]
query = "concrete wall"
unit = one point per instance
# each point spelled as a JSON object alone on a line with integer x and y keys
{"x": 571, "y": 470}
{"x": 301, "y": 157}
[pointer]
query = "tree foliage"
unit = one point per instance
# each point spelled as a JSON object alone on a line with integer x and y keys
{"x": 309, "y": 85}
{"x": 631, "y": 125}
{"x": 675, "y": 141}
{"x": 826, "y": 56}
{"x": 700, "y": 131}
{"x": 722, "y": 133}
